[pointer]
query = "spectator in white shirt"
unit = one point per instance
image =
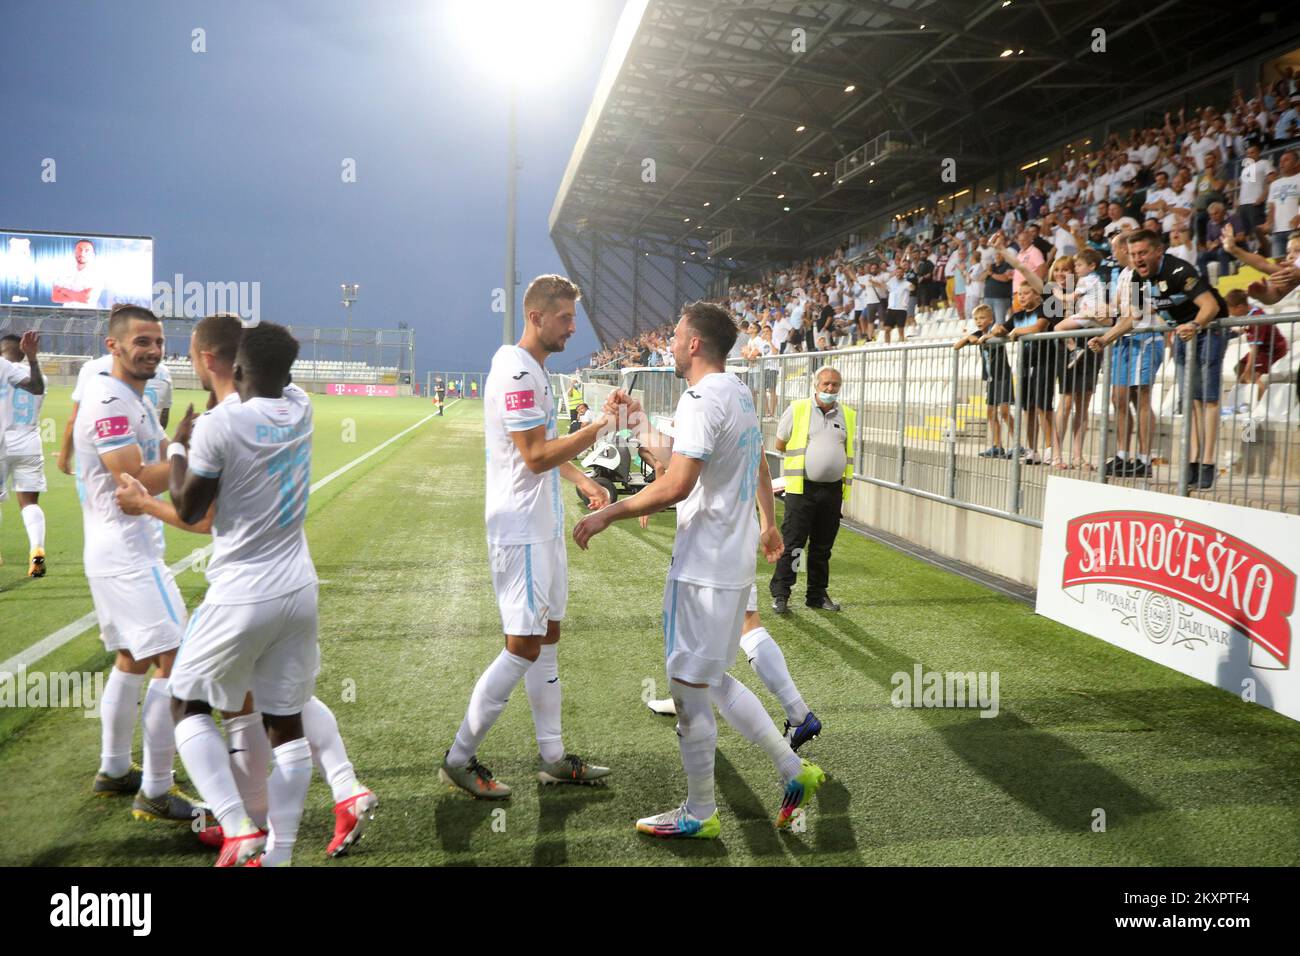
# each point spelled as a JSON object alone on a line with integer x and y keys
{"x": 1283, "y": 200}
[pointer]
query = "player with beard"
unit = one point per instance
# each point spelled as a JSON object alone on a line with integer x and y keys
{"x": 716, "y": 473}
{"x": 526, "y": 546}
{"x": 214, "y": 344}
{"x": 140, "y": 610}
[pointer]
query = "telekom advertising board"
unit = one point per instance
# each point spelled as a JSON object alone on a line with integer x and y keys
{"x": 1205, "y": 588}
{"x": 351, "y": 388}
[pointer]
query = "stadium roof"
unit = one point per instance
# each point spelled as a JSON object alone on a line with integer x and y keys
{"x": 746, "y": 108}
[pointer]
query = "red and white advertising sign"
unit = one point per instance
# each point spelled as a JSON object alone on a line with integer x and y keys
{"x": 1205, "y": 588}
{"x": 381, "y": 391}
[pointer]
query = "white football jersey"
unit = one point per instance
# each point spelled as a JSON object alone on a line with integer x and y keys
{"x": 20, "y": 413}
{"x": 112, "y": 416}
{"x": 261, "y": 451}
{"x": 157, "y": 390}
{"x": 522, "y": 508}
{"x": 10, "y": 375}
{"x": 717, "y": 525}
{"x": 89, "y": 370}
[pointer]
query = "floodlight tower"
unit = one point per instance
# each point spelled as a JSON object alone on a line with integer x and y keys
{"x": 350, "y": 290}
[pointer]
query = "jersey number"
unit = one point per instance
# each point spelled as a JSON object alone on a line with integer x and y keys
{"x": 292, "y": 466}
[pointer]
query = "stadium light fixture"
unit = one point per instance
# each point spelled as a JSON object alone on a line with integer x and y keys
{"x": 706, "y": 205}
{"x": 350, "y": 290}
{"x": 787, "y": 208}
{"x": 800, "y": 128}
{"x": 516, "y": 41}
{"x": 781, "y": 196}
{"x": 850, "y": 88}
{"x": 1005, "y": 53}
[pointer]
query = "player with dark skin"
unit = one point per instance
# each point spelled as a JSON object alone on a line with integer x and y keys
{"x": 193, "y": 497}
{"x": 19, "y": 351}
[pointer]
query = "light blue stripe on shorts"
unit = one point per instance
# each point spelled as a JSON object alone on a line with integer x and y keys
{"x": 157, "y": 579}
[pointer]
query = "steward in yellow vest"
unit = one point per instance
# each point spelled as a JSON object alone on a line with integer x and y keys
{"x": 816, "y": 436}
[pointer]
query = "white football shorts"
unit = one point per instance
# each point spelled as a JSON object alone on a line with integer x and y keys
{"x": 141, "y": 613}
{"x": 531, "y": 582}
{"x": 702, "y": 630}
{"x": 27, "y": 473}
{"x": 268, "y": 647}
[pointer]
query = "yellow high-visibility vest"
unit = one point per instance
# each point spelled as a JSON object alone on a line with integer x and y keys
{"x": 792, "y": 469}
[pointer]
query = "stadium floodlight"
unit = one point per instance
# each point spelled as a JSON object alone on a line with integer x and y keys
{"x": 350, "y": 290}
{"x": 519, "y": 42}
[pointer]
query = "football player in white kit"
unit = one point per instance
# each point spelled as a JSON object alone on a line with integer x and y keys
{"x": 214, "y": 345}
{"x": 22, "y": 392}
{"x": 757, "y": 643}
{"x": 140, "y": 610}
{"x": 526, "y": 545}
{"x": 713, "y": 477}
{"x": 257, "y": 625}
{"x": 154, "y": 394}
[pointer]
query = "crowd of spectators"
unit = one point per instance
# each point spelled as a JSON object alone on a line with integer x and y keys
{"x": 1094, "y": 242}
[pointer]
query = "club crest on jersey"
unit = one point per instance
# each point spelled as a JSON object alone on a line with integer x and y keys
{"x": 518, "y": 401}
{"x": 112, "y": 427}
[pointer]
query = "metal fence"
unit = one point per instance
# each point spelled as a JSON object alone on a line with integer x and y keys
{"x": 363, "y": 356}
{"x": 926, "y": 425}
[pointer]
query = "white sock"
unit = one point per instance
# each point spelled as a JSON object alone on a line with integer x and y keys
{"x": 206, "y": 761}
{"x": 159, "y": 738}
{"x": 1146, "y": 459}
{"x": 117, "y": 709}
{"x": 34, "y": 519}
{"x": 542, "y": 682}
{"x": 287, "y": 793}
{"x": 1121, "y": 455}
{"x": 250, "y": 762}
{"x": 486, "y": 703}
{"x": 327, "y": 750}
{"x": 769, "y": 664}
{"x": 740, "y": 708}
{"x": 697, "y": 738}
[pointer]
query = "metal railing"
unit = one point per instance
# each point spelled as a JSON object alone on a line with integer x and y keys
{"x": 926, "y": 425}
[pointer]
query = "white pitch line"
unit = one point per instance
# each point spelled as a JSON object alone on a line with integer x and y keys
{"x": 48, "y": 645}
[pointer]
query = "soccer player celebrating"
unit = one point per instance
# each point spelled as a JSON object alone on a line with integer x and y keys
{"x": 157, "y": 392}
{"x": 140, "y": 610}
{"x": 761, "y": 650}
{"x": 713, "y": 477}
{"x": 214, "y": 345}
{"x": 22, "y": 392}
{"x": 526, "y": 546}
{"x": 256, "y": 627}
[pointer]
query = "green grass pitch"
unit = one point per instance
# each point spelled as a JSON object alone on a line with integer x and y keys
{"x": 1184, "y": 773}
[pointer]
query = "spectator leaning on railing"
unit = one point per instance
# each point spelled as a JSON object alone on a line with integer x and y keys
{"x": 1175, "y": 296}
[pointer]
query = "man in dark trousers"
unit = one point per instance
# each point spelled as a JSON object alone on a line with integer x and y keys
{"x": 816, "y": 435}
